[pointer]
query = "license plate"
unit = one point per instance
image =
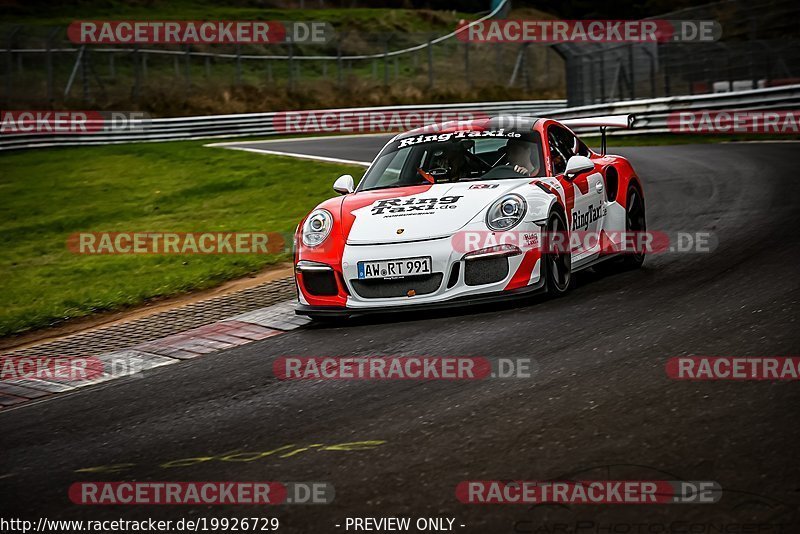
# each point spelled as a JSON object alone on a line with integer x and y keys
{"x": 394, "y": 268}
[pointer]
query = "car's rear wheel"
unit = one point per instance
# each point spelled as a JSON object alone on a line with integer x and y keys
{"x": 635, "y": 223}
{"x": 557, "y": 260}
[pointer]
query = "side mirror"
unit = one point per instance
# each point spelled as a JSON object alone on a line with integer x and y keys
{"x": 344, "y": 184}
{"x": 578, "y": 165}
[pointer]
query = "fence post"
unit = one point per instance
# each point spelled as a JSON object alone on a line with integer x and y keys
{"x": 10, "y": 63}
{"x": 291, "y": 66}
{"x": 632, "y": 74}
{"x": 49, "y": 61}
{"x": 386, "y": 60}
{"x": 137, "y": 74}
{"x": 430, "y": 63}
{"x": 602, "y": 77}
{"x": 188, "y": 67}
{"x": 339, "y": 62}
{"x": 238, "y": 64}
{"x": 112, "y": 70}
{"x": 467, "y": 73}
{"x": 85, "y": 75}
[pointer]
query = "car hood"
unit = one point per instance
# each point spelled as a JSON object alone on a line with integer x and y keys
{"x": 416, "y": 213}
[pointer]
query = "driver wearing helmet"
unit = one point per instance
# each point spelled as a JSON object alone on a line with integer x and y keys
{"x": 523, "y": 157}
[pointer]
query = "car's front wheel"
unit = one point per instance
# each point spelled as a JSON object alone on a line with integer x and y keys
{"x": 557, "y": 259}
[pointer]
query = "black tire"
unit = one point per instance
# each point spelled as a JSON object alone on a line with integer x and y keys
{"x": 557, "y": 261}
{"x": 634, "y": 222}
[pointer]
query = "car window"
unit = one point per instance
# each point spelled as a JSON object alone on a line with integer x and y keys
{"x": 455, "y": 156}
{"x": 563, "y": 145}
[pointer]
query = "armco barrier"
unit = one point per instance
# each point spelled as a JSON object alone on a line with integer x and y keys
{"x": 651, "y": 117}
{"x": 651, "y": 114}
{"x": 249, "y": 124}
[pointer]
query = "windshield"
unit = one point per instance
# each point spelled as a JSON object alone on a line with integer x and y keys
{"x": 456, "y": 157}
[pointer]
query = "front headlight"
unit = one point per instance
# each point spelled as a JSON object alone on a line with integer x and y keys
{"x": 505, "y": 213}
{"x": 317, "y": 227}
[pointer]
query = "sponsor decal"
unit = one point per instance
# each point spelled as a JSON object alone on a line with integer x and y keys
{"x": 589, "y": 31}
{"x": 588, "y": 492}
{"x": 412, "y": 205}
{"x": 782, "y": 122}
{"x": 733, "y": 368}
{"x": 460, "y": 134}
{"x": 582, "y": 220}
{"x": 484, "y": 186}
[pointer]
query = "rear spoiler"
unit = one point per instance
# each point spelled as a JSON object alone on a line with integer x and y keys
{"x": 604, "y": 122}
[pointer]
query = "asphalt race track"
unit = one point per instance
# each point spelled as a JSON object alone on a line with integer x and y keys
{"x": 599, "y": 406}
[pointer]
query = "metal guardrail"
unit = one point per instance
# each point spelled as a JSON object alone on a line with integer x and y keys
{"x": 651, "y": 114}
{"x": 250, "y": 124}
{"x": 651, "y": 117}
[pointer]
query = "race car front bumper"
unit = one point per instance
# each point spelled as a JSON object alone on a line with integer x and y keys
{"x": 456, "y": 279}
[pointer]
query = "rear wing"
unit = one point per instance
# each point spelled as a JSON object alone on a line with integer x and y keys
{"x": 604, "y": 122}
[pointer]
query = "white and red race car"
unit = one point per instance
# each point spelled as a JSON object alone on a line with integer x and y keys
{"x": 467, "y": 212}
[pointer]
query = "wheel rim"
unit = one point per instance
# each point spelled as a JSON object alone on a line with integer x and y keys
{"x": 558, "y": 260}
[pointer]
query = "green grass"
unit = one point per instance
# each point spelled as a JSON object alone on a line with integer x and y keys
{"x": 50, "y": 194}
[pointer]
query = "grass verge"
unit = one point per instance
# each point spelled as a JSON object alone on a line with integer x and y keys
{"x": 181, "y": 187}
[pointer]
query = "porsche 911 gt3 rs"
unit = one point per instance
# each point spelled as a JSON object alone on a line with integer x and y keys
{"x": 468, "y": 212}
